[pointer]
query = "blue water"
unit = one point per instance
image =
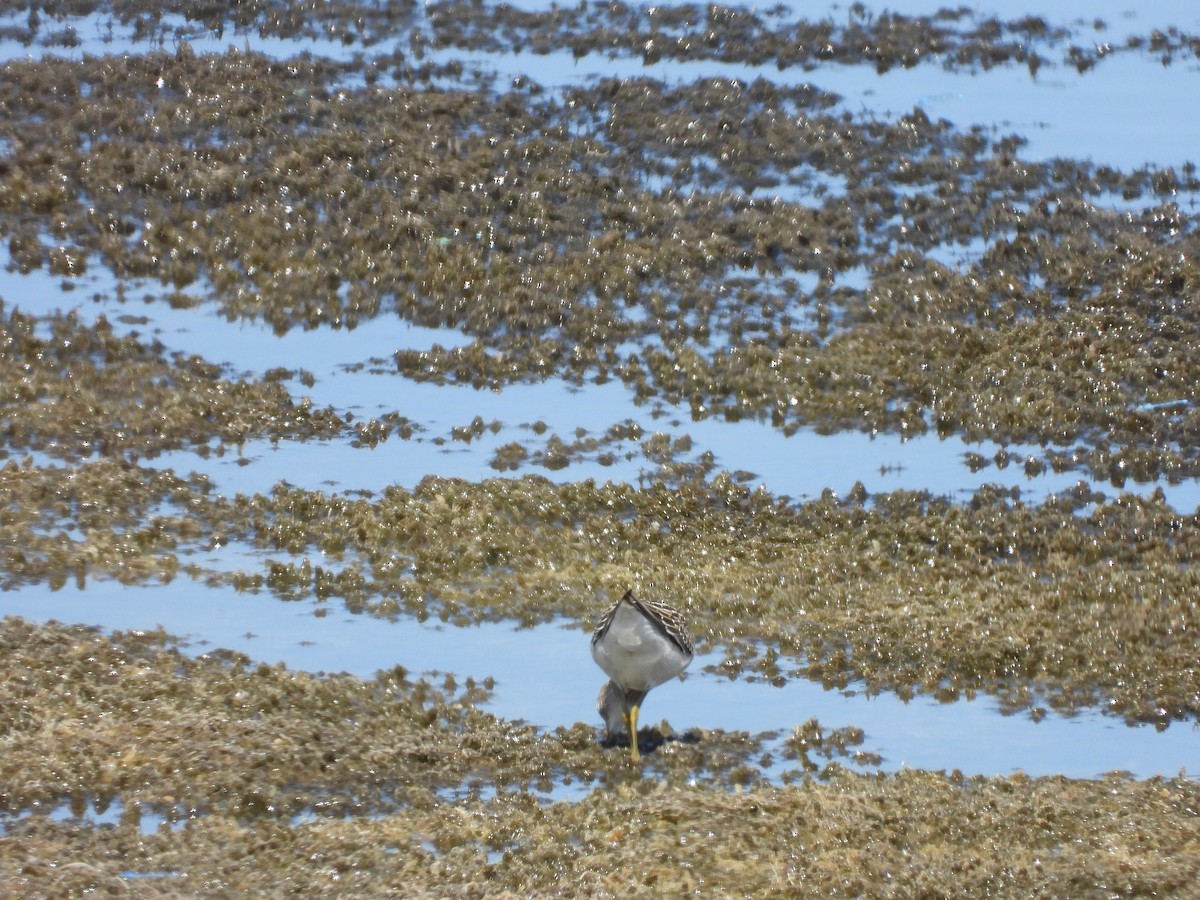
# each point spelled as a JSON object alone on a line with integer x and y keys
{"x": 972, "y": 736}
{"x": 1128, "y": 111}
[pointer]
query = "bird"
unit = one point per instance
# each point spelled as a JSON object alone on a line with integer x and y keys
{"x": 639, "y": 644}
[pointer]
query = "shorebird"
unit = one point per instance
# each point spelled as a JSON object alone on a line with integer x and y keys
{"x": 639, "y": 644}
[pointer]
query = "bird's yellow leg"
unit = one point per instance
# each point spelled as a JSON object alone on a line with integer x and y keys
{"x": 631, "y": 718}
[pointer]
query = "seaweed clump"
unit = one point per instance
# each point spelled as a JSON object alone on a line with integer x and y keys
{"x": 226, "y": 754}
{"x": 1080, "y": 601}
{"x": 75, "y": 390}
{"x": 702, "y": 243}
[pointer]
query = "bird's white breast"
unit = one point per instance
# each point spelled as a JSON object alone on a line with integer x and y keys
{"x": 635, "y": 654}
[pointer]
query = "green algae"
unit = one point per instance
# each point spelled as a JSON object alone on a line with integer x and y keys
{"x": 228, "y": 752}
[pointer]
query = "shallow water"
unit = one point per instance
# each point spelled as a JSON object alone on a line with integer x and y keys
{"x": 560, "y": 686}
{"x": 353, "y": 374}
{"x": 1102, "y": 115}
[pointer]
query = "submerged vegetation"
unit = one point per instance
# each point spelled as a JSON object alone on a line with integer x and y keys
{"x": 748, "y": 249}
{"x": 264, "y": 778}
{"x": 1078, "y": 601}
{"x": 698, "y": 242}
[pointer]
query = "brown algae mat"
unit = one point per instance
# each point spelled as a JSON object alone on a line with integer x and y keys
{"x": 692, "y": 241}
{"x": 697, "y": 243}
{"x": 277, "y": 782}
{"x": 1078, "y": 601}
